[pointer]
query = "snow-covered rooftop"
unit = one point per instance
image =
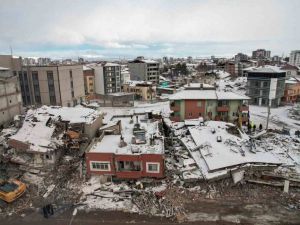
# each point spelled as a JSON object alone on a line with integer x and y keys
{"x": 265, "y": 69}
{"x": 111, "y": 64}
{"x": 198, "y": 85}
{"x": 35, "y": 132}
{"x": 71, "y": 114}
{"x": 227, "y": 153}
{"x": 110, "y": 143}
{"x": 133, "y": 83}
{"x": 38, "y": 134}
{"x": 207, "y": 94}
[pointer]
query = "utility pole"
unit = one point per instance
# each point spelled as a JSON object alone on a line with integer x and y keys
{"x": 269, "y": 112}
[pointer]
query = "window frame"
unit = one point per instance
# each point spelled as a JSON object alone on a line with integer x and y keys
{"x": 100, "y": 162}
{"x": 152, "y": 163}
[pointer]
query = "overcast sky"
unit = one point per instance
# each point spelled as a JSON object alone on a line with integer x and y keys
{"x": 127, "y": 28}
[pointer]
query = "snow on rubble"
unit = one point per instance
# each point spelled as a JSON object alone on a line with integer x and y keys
{"x": 219, "y": 148}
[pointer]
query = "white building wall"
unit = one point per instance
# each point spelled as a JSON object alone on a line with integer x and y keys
{"x": 99, "y": 80}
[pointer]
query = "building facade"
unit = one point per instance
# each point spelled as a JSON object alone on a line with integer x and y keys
{"x": 144, "y": 70}
{"x": 261, "y": 54}
{"x": 240, "y": 57}
{"x": 89, "y": 80}
{"x": 292, "y": 91}
{"x": 52, "y": 85}
{"x": 10, "y": 96}
{"x": 209, "y": 104}
{"x": 107, "y": 78}
{"x": 141, "y": 89}
{"x": 264, "y": 83}
{"x": 295, "y": 58}
{"x": 135, "y": 152}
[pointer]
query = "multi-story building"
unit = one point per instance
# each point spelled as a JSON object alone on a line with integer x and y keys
{"x": 107, "y": 78}
{"x": 132, "y": 148}
{"x": 10, "y": 96}
{"x": 200, "y": 101}
{"x": 295, "y": 58}
{"x": 143, "y": 90}
{"x": 125, "y": 75}
{"x": 292, "y": 91}
{"x": 291, "y": 71}
{"x": 89, "y": 80}
{"x": 144, "y": 70}
{"x": 264, "y": 83}
{"x": 240, "y": 57}
{"x": 261, "y": 54}
{"x": 12, "y": 62}
{"x": 52, "y": 85}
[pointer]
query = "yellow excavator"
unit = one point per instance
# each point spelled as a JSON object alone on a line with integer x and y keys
{"x": 10, "y": 190}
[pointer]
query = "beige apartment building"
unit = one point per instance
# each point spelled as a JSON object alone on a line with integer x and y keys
{"x": 89, "y": 80}
{"x": 61, "y": 85}
{"x": 142, "y": 90}
{"x": 10, "y": 96}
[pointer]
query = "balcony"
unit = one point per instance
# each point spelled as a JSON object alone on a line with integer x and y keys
{"x": 243, "y": 108}
{"x": 224, "y": 108}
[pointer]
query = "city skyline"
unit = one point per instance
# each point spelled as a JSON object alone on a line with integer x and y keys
{"x": 125, "y": 29}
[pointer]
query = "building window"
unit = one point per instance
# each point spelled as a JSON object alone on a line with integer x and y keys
{"x": 152, "y": 167}
{"x": 199, "y": 104}
{"x": 36, "y": 87}
{"x": 100, "y": 165}
{"x": 51, "y": 88}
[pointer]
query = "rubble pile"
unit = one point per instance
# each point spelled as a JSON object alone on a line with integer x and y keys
{"x": 168, "y": 203}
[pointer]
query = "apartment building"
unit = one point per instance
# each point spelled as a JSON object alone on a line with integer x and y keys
{"x": 10, "y": 96}
{"x": 89, "y": 80}
{"x": 198, "y": 100}
{"x": 295, "y": 58}
{"x": 107, "y": 78}
{"x": 291, "y": 71}
{"x": 261, "y": 54}
{"x": 61, "y": 85}
{"x": 142, "y": 90}
{"x": 240, "y": 57}
{"x": 292, "y": 91}
{"x": 144, "y": 70}
{"x": 264, "y": 83}
{"x": 129, "y": 148}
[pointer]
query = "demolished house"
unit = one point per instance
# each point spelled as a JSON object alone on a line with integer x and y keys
{"x": 132, "y": 148}
{"x": 48, "y": 131}
{"x": 220, "y": 150}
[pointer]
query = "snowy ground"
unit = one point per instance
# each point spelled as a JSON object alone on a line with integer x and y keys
{"x": 278, "y": 117}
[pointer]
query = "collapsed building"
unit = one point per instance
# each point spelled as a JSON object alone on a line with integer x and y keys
{"x": 219, "y": 150}
{"x": 48, "y": 131}
{"x": 129, "y": 147}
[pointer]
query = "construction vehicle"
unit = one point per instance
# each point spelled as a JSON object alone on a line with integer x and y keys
{"x": 11, "y": 190}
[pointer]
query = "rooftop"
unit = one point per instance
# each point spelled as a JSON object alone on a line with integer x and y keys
{"x": 37, "y": 129}
{"x": 110, "y": 143}
{"x": 264, "y": 69}
{"x": 207, "y": 94}
{"x": 228, "y": 152}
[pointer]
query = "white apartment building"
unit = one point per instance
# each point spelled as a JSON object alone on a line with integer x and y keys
{"x": 295, "y": 58}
